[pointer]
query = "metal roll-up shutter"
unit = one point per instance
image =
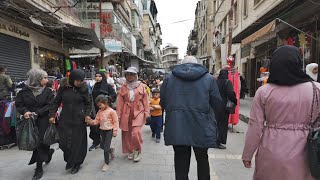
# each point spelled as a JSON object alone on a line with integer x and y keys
{"x": 15, "y": 54}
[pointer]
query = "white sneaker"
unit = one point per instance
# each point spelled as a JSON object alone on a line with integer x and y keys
{"x": 137, "y": 156}
{"x": 105, "y": 167}
{"x": 131, "y": 156}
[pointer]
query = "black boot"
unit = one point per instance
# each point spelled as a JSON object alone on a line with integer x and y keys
{"x": 51, "y": 151}
{"x": 69, "y": 166}
{"x": 38, "y": 172}
{"x": 75, "y": 169}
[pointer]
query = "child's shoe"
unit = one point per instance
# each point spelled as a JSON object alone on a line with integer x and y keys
{"x": 157, "y": 140}
{"x": 105, "y": 167}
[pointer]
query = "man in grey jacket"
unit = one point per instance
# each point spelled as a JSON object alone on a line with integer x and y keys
{"x": 190, "y": 96}
{"x": 5, "y": 83}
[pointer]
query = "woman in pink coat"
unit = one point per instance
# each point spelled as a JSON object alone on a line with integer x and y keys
{"x": 278, "y": 125}
{"x": 132, "y": 109}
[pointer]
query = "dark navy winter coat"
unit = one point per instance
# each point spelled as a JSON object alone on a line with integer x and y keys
{"x": 189, "y": 95}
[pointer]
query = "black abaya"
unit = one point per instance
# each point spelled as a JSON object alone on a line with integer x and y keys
{"x": 76, "y": 106}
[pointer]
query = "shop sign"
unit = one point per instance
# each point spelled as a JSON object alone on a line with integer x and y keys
{"x": 14, "y": 29}
{"x": 113, "y": 45}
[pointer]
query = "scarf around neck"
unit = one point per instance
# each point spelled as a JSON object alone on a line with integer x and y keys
{"x": 33, "y": 82}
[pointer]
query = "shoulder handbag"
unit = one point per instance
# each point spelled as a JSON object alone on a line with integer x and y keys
{"x": 313, "y": 137}
{"x": 230, "y": 106}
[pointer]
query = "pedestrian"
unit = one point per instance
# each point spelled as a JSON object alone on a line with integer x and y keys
{"x": 312, "y": 71}
{"x": 133, "y": 110}
{"x": 222, "y": 116}
{"x": 278, "y": 125}
{"x": 101, "y": 87}
{"x": 156, "y": 115}
{"x": 36, "y": 98}
{"x": 107, "y": 119}
{"x": 244, "y": 89}
{"x": 190, "y": 96}
{"x": 76, "y": 107}
{"x": 5, "y": 83}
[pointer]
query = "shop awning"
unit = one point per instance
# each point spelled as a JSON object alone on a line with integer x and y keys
{"x": 260, "y": 33}
{"x": 81, "y": 37}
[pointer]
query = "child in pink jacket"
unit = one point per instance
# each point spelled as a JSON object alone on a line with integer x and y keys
{"x": 109, "y": 125}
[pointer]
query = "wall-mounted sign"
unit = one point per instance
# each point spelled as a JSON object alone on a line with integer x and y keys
{"x": 13, "y": 29}
{"x": 113, "y": 45}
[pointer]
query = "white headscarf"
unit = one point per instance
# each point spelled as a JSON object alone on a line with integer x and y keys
{"x": 132, "y": 86}
{"x": 309, "y": 69}
{"x": 33, "y": 82}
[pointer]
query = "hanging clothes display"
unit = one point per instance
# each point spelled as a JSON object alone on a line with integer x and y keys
{"x": 68, "y": 65}
{"x": 8, "y": 117}
{"x": 234, "y": 118}
{"x": 302, "y": 39}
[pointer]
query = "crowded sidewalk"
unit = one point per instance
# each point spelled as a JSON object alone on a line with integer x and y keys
{"x": 157, "y": 162}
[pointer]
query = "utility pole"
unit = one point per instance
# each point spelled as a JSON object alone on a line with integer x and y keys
{"x": 230, "y": 28}
{"x": 101, "y": 31}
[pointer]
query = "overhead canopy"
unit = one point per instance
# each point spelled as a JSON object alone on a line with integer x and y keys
{"x": 81, "y": 38}
{"x": 260, "y": 33}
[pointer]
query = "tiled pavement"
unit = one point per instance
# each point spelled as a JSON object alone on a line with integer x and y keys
{"x": 156, "y": 164}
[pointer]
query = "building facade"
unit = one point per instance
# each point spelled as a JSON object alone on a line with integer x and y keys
{"x": 39, "y": 37}
{"x": 151, "y": 32}
{"x": 259, "y": 27}
{"x": 170, "y": 56}
{"x": 200, "y": 38}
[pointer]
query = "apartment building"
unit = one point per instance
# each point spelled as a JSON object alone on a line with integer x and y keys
{"x": 258, "y": 28}
{"x": 170, "y": 56}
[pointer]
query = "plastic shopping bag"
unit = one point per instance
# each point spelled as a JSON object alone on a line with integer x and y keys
{"x": 27, "y": 134}
{"x": 51, "y": 135}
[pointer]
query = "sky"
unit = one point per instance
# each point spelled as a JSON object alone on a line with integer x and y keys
{"x": 174, "y": 32}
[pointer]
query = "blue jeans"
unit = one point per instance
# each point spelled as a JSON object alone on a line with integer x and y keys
{"x": 156, "y": 125}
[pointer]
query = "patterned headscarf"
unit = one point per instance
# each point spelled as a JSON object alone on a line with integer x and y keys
{"x": 33, "y": 82}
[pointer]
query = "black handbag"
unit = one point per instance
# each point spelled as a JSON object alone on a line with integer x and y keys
{"x": 313, "y": 138}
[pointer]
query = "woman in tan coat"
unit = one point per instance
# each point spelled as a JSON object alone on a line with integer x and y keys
{"x": 132, "y": 109}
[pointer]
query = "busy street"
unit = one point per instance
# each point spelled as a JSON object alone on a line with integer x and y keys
{"x": 157, "y": 162}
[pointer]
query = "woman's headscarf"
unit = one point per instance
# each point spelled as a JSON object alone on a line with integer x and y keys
{"x": 309, "y": 70}
{"x": 132, "y": 85}
{"x": 76, "y": 75}
{"x": 223, "y": 76}
{"x": 286, "y": 67}
{"x": 101, "y": 86}
{"x": 33, "y": 82}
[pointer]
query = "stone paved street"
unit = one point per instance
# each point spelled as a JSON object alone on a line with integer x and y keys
{"x": 156, "y": 164}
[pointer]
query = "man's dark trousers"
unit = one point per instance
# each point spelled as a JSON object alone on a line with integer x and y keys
{"x": 182, "y": 155}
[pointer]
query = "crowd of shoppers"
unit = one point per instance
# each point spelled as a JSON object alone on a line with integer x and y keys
{"x": 194, "y": 103}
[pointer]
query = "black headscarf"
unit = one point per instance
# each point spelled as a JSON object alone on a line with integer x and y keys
{"x": 286, "y": 67}
{"x": 100, "y": 87}
{"x": 76, "y": 75}
{"x": 222, "y": 78}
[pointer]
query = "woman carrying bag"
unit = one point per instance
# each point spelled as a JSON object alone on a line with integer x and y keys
{"x": 227, "y": 94}
{"x": 76, "y": 107}
{"x": 279, "y": 120}
{"x": 36, "y": 98}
